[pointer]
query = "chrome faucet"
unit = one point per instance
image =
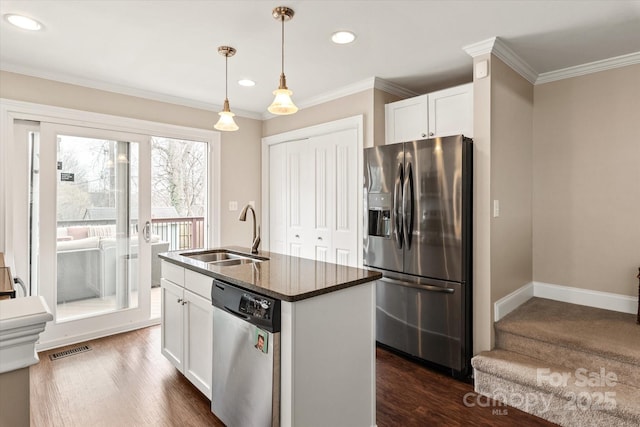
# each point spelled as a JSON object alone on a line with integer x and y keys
{"x": 256, "y": 238}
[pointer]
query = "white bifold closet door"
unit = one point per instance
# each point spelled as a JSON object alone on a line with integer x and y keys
{"x": 313, "y": 198}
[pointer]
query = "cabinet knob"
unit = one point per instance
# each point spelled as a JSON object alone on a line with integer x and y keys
{"x": 431, "y": 134}
{"x": 297, "y": 236}
{"x": 184, "y": 302}
{"x": 424, "y": 134}
{"x": 179, "y": 300}
{"x": 319, "y": 238}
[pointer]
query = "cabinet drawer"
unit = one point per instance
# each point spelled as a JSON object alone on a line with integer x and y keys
{"x": 173, "y": 273}
{"x": 198, "y": 283}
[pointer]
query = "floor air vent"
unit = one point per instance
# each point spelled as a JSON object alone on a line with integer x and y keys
{"x": 70, "y": 352}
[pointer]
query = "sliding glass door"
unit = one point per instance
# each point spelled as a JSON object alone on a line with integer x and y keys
{"x": 92, "y": 201}
{"x": 94, "y": 215}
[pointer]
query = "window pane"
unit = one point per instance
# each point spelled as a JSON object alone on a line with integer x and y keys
{"x": 179, "y": 192}
{"x": 97, "y": 209}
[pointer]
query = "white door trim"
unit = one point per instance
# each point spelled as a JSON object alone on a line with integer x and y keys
{"x": 354, "y": 122}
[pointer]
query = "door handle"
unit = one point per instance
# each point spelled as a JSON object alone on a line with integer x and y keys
{"x": 430, "y": 288}
{"x": 146, "y": 231}
{"x": 397, "y": 211}
{"x": 407, "y": 205}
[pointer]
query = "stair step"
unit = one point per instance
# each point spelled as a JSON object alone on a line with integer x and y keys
{"x": 551, "y": 391}
{"x": 610, "y": 334}
{"x": 568, "y": 357}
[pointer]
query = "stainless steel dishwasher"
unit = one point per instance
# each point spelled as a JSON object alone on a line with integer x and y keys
{"x": 246, "y": 357}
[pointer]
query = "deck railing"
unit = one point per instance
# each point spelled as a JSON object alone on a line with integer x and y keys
{"x": 181, "y": 232}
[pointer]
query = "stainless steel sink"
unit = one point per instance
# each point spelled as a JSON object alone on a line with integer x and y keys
{"x": 222, "y": 257}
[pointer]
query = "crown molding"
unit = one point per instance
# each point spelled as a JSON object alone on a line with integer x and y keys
{"x": 497, "y": 47}
{"x": 393, "y": 89}
{"x": 591, "y": 67}
{"x": 362, "y": 85}
{"x": 480, "y": 48}
{"x": 122, "y": 90}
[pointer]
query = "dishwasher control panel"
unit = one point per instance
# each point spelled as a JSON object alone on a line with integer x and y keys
{"x": 252, "y": 307}
{"x": 256, "y": 306}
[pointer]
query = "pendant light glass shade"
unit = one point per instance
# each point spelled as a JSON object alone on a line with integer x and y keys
{"x": 226, "y": 122}
{"x": 282, "y": 103}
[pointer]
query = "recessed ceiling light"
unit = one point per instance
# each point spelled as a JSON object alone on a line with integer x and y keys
{"x": 343, "y": 37}
{"x": 246, "y": 82}
{"x": 23, "y": 22}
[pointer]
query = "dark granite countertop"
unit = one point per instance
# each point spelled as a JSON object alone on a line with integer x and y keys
{"x": 282, "y": 277}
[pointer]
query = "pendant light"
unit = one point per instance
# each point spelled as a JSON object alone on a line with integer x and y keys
{"x": 282, "y": 104}
{"x": 226, "y": 122}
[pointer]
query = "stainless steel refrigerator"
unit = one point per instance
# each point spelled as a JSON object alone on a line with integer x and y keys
{"x": 417, "y": 223}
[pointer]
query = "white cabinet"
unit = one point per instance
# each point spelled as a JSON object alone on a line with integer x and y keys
{"x": 172, "y": 323}
{"x": 198, "y": 341}
{"x": 313, "y": 205}
{"x": 451, "y": 111}
{"x": 442, "y": 113}
{"x": 407, "y": 120}
{"x": 187, "y": 324}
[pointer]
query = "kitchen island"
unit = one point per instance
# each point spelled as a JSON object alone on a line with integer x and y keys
{"x": 326, "y": 340}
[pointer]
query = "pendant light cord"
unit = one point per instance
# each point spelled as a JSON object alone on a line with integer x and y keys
{"x": 282, "y": 21}
{"x": 226, "y": 75}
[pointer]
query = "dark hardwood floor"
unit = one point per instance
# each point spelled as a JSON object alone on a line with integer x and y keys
{"x": 125, "y": 381}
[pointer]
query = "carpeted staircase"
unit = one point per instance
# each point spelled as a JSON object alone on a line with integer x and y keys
{"x": 569, "y": 364}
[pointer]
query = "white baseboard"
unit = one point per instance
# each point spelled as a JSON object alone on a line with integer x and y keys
{"x": 48, "y": 345}
{"x": 515, "y": 299}
{"x": 597, "y": 299}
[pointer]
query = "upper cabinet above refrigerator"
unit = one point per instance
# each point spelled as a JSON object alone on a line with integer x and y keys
{"x": 442, "y": 113}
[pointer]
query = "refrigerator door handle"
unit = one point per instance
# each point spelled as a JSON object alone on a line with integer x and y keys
{"x": 397, "y": 209}
{"x": 407, "y": 205}
{"x": 430, "y": 288}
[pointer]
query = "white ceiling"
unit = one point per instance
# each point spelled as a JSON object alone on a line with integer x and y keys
{"x": 168, "y": 49}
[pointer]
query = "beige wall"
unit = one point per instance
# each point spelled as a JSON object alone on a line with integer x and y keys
{"x": 482, "y": 313}
{"x": 511, "y": 179}
{"x": 503, "y": 137}
{"x": 586, "y": 176}
{"x": 240, "y": 151}
{"x": 241, "y": 180}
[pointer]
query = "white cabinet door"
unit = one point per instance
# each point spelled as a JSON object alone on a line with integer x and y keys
{"x": 336, "y": 203}
{"x": 344, "y": 199}
{"x": 300, "y": 192}
{"x": 319, "y": 193}
{"x": 407, "y": 120}
{"x": 172, "y": 323}
{"x": 198, "y": 344}
{"x": 278, "y": 198}
{"x": 451, "y": 111}
{"x": 320, "y": 211}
